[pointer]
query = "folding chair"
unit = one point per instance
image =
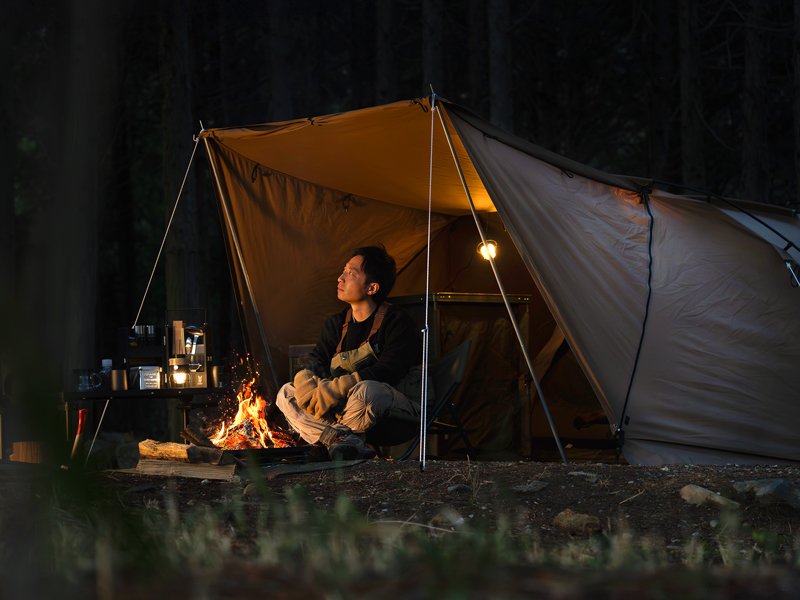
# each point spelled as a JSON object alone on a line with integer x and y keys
{"x": 445, "y": 376}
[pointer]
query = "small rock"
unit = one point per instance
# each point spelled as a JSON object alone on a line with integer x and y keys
{"x": 205, "y": 481}
{"x": 576, "y": 523}
{"x": 533, "y": 486}
{"x": 447, "y": 518}
{"x": 589, "y": 477}
{"x": 140, "y": 489}
{"x": 694, "y": 494}
{"x": 127, "y": 455}
{"x": 769, "y": 492}
{"x": 191, "y": 502}
{"x": 251, "y": 491}
{"x": 459, "y": 487}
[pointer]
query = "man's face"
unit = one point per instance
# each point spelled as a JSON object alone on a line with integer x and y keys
{"x": 353, "y": 286}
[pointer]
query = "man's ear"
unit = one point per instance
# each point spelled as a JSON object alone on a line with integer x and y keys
{"x": 373, "y": 288}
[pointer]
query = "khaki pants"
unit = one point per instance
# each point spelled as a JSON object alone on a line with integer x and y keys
{"x": 367, "y": 403}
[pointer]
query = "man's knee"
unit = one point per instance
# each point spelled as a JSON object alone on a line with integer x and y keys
{"x": 285, "y": 394}
{"x": 367, "y": 403}
{"x": 374, "y": 396}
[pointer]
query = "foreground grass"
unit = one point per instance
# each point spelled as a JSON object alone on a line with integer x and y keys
{"x": 66, "y": 535}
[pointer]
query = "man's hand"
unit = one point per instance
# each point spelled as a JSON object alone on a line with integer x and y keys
{"x": 322, "y": 398}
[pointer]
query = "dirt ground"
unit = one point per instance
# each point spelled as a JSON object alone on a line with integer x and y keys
{"x": 643, "y": 500}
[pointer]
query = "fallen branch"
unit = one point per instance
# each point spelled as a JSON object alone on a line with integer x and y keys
{"x": 632, "y": 497}
{"x": 430, "y": 527}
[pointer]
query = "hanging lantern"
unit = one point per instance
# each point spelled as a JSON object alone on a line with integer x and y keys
{"x": 489, "y": 249}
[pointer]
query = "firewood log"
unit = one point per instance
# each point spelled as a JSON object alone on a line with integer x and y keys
{"x": 152, "y": 450}
{"x": 30, "y": 452}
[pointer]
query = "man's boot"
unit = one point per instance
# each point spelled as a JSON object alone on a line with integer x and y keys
{"x": 345, "y": 445}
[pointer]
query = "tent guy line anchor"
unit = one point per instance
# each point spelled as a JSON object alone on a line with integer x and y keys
{"x": 523, "y": 347}
{"x": 166, "y": 232}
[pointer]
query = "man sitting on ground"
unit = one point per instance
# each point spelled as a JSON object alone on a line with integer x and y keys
{"x": 363, "y": 352}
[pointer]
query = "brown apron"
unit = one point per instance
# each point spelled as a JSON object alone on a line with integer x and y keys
{"x": 363, "y": 357}
{"x": 350, "y": 361}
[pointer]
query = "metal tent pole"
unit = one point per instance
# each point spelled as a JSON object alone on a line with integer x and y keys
{"x": 502, "y": 289}
{"x": 223, "y": 199}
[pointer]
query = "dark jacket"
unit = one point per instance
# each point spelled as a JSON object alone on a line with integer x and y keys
{"x": 397, "y": 344}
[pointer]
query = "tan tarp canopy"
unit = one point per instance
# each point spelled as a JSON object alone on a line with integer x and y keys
{"x": 717, "y": 377}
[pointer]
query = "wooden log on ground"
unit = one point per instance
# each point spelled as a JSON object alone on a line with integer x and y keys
{"x": 171, "y": 468}
{"x": 29, "y": 452}
{"x": 152, "y": 450}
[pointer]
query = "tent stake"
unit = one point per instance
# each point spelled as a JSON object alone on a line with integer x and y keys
{"x": 223, "y": 200}
{"x": 502, "y": 290}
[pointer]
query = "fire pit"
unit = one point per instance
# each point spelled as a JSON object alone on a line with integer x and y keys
{"x": 249, "y": 428}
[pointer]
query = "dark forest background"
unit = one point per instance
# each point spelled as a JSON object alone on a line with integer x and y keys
{"x": 100, "y": 100}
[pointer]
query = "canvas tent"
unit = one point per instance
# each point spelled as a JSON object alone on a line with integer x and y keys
{"x": 679, "y": 311}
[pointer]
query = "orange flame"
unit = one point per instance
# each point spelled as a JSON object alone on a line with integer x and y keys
{"x": 251, "y": 412}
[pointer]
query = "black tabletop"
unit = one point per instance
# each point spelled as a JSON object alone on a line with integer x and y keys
{"x": 139, "y": 394}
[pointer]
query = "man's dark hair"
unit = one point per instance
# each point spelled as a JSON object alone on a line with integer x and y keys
{"x": 379, "y": 267}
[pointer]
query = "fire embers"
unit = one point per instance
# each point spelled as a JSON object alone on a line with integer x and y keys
{"x": 249, "y": 428}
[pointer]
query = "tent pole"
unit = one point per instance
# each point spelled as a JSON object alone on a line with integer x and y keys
{"x": 502, "y": 290}
{"x": 223, "y": 199}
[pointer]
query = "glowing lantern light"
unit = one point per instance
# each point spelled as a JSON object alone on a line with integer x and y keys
{"x": 490, "y": 248}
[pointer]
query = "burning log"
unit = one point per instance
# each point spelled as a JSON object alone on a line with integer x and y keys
{"x": 193, "y": 436}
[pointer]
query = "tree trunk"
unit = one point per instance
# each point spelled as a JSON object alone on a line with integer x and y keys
{"x": 796, "y": 105}
{"x": 181, "y": 247}
{"x": 8, "y": 138}
{"x": 432, "y": 47}
{"x": 360, "y": 70}
{"x": 478, "y": 69}
{"x": 70, "y": 283}
{"x": 385, "y": 75}
{"x": 311, "y": 89}
{"x": 756, "y": 155}
{"x": 176, "y": 130}
{"x": 279, "y": 61}
{"x": 692, "y": 168}
{"x": 660, "y": 48}
{"x": 500, "y": 69}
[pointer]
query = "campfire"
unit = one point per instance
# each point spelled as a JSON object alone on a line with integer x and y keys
{"x": 249, "y": 428}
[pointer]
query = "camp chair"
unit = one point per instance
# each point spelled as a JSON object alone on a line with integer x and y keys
{"x": 445, "y": 374}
